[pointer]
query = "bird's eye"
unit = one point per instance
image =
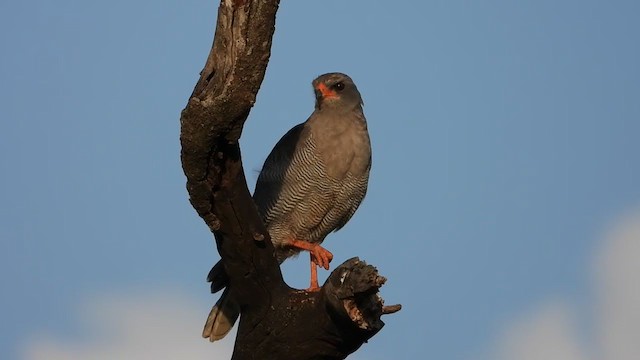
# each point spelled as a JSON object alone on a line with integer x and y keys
{"x": 339, "y": 86}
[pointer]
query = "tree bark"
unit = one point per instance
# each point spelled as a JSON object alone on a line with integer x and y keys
{"x": 277, "y": 322}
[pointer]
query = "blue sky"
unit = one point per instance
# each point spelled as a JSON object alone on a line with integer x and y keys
{"x": 505, "y": 139}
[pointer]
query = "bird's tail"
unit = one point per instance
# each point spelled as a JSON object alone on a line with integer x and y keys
{"x": 221, "y": 318}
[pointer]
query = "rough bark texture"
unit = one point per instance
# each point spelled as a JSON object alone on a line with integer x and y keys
{"x": 276, "y": 322}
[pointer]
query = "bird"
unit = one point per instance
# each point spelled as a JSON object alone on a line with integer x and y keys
{"x": 310, "y": 185}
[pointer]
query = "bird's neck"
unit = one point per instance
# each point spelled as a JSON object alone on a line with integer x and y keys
{"x": 334, "y": 122}
{"x": 340, "y": 111}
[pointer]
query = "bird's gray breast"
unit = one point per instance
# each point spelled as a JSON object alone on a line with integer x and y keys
{"x": 321, "y": 184}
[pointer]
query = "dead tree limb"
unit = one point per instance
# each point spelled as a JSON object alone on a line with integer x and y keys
{"x": 276, "y": 322}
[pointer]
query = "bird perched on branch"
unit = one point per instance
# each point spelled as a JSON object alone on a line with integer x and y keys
{"x": 311, "y": 184}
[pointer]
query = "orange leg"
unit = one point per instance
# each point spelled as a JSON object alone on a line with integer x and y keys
{"x": 319, "y": 257}
{"x": 313, "y": 286}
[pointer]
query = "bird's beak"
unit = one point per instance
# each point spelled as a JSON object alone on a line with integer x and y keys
{"x": 323, "y": 92}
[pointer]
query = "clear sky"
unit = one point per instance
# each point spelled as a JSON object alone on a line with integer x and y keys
{"x": 504, "y": 195}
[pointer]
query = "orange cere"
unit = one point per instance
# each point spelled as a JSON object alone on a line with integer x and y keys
{"x": 326, "y": 92}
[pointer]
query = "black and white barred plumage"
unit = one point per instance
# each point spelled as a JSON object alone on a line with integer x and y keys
{"x": 314, "y": 179}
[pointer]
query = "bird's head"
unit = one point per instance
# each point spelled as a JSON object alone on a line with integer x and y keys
{"x": 336, "y": 91}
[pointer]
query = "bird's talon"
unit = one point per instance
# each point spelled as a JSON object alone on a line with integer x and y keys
{"x": 321, "y": 256}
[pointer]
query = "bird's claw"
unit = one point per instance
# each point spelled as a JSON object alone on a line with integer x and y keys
{"x": 313, "y": 288}
{"x": 321, "y": 256}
